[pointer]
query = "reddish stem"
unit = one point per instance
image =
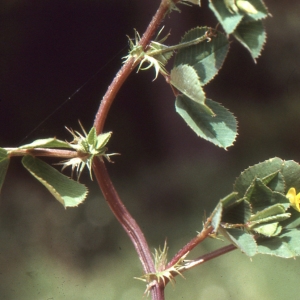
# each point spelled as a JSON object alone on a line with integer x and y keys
{"x": 110, "y": 194}
{"x": 190, "y": 245}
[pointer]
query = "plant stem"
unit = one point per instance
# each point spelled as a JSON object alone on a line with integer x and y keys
{"x": 206, "y": 257}
{"x": 190, "y": 245}
{"x": 109, "y": 192}
{"x": 42, "y": 152}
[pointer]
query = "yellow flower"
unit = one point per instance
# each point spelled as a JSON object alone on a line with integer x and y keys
{"x": 293, "y": 198}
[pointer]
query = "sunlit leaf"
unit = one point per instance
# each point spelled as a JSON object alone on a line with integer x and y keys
{"x": 67, "y": 191}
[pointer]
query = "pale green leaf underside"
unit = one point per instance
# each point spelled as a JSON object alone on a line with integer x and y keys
{"x": 67, "y": 191}
{"x": 4, "y": 162}
{"x": 46, "y": 143}
{"x": 252, "y": 36}
{"x": 221, "y": 130}
{"x": 206, "y": 57}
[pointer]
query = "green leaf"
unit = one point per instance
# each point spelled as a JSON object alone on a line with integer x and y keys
{"x": 252, "y": 36}
{"x": 46, "y": 143}
{"x": 237, "y": 213}
{"x": 68, "y": 192}
{"x": 259, "y": 194}
{"x": 241, "y": 239}
{"x": 196, "y": 2}
{"x": 205, "y": 57}
{"x": 4, "y": 162}
{"x": 292, "y": 238}
{"x": 92, "y": 137}
{"x": 271, "y": 213}
{"x": 228, "y": 20}
{"x": 270, "y": 229}
{"x": 102, "y": 140}
{"x": 262, "y": 11}
{"x": 216, "y": 216}
{"x": 186, "y": 80}
{"x": 275, "y": 246}
{"x": 291, "y": 174}
{"x": 260, "y": 170}
{"x": 229, "y": 199}
{"x": 221, "y": 130}
{"x": 275, "y": 182}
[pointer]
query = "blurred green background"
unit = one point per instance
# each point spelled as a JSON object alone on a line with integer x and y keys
{"x": 166, "y": 176}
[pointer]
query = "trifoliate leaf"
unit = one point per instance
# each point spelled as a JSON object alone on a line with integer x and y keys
{"x": 68, "y": 192}
{"x": 221, "y": 130}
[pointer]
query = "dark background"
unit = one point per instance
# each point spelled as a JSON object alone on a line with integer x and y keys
{"x": 166, "y": 175}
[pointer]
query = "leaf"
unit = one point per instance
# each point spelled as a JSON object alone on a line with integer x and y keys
{"x": 102, "y": 140}
{"x": 237, "y": 213}
{"x": 186, "y": 80}
{"x": 270, "y": 229}
{"x": 206, "y": 57}
{"x": 241, "y": 239}
{"x": 4, "y": 162}
{"x": 275, "y": 246}
{"x": 252, "y": 36}
{"x": 228, "y": 20}
{"x": 262, "y": 11}
{"x": 91, "y": 138}
{"x": 291, "y": 174}
{"x": 196, "y": 2}
{"x": 46, "y": 143}
{"x": 292, "y": 238}
{"x": 68, "y": 192}
{"x": 216, "y": 216}
{"x": 221, "y": 130}
{"x": 260, "y": 170}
